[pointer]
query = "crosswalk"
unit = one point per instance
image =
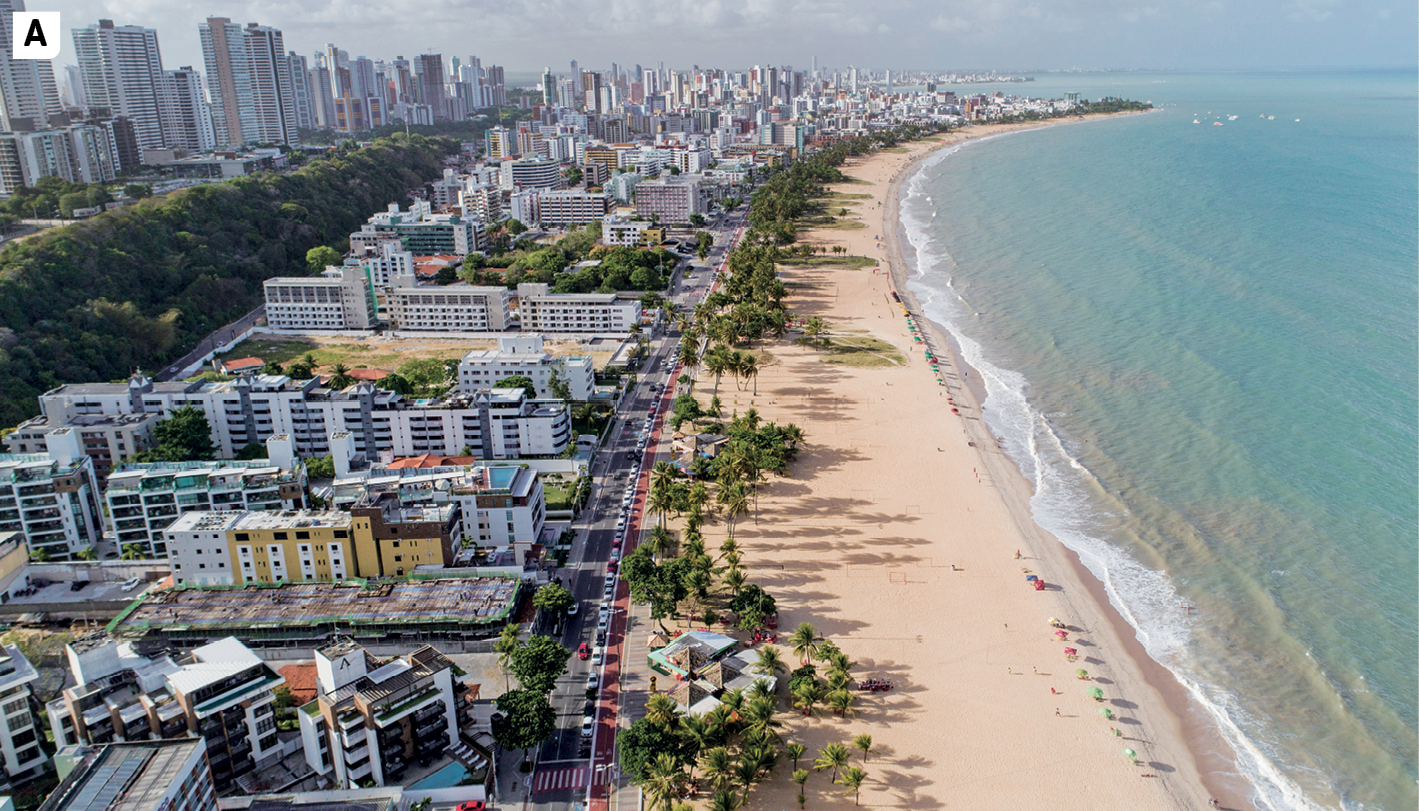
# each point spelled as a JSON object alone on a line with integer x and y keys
{"x": 565, "y": 779}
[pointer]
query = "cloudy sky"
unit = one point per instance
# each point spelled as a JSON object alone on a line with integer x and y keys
{"x": 897, "y": 34}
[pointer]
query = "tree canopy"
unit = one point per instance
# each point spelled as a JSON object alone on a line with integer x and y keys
{"x": 527, "y": 719}
{"x": 185, "y": 436}
{"x": 539, "y": 662}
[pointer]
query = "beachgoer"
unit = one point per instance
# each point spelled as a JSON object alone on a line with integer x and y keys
{"x": 1056, "y": 711}
{"x": 1053, "y": 691}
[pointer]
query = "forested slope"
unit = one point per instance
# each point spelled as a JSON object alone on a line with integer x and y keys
{"x": 132, "y": 288}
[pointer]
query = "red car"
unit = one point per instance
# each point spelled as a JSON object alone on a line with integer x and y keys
{"x": 582, "y": 652}
{"x": 472, "y": 805}
{"x": 611, "y": 566}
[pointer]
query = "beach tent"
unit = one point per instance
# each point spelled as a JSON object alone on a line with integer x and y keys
{"x": 1096, "y": 693}
{"x": 1107, "y": 713}
{"x": 1082, "y": 673}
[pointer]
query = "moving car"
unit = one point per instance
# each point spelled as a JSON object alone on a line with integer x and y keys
{"x": 593, "y": 681}
{"x": 588, "y": 723}
{"x": 583, "y": 651}
{"x": 572, "y": 609}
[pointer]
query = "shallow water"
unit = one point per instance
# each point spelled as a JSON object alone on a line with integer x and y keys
{"x": 1199, "y": 344}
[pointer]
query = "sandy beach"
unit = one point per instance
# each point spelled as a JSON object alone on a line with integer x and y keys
{"x": 897, "y": 536}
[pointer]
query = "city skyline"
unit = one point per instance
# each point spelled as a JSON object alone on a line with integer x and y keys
{"x": 906, "y": 34}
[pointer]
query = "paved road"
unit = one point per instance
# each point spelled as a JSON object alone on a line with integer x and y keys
{"x": 565, "y": 766}
{"x": 216, "y": 339}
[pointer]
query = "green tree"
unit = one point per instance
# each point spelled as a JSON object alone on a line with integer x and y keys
{"x": 137, "y": 191}
{"x": 794, "y": 751}
{"x": 573, "y": 175}
{"x": 852, "y": 780}
{"x": 555, "y": 600}
{"x": 863, "y": 743}
{"x": 515, "y": 227}
{"x": 185, "y": 436}
{"x": 640, "y": 742}
{"x": 539, "y": 662}
{"x": 697, "y": 220}
{"x": 833, "y": 756}
{"x": 558, "y": 385}
{"x": 428, "y": 376}
{"x": 527, "y": 719}
{"x": 770, "y": 662}
{"x": 717, "y": 766}
{"x": 133, "y": 551}
{"x": 518, "y": 382}
{"x": 805, "y": 641}
{"x": 253, "y": 450}
{"x": 506, "y": 646}
{"x": 800, "y": 776}
{"x": 663, "y": 779}
{"x": 320, "y": 467}
{"x": 320, "y": 257}
{"x": 87, "y": 553}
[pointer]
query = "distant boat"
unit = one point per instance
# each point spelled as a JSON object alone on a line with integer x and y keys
{"x": 1231, "y": 118}
{"x": 1273, "y": 118}
{"x": 1220, "y": 124}
{"x": 1195, "y": 121}
{"x": 1298, "y": 121}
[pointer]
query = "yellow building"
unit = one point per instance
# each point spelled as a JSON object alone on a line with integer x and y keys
{"x": 219, "y": 548}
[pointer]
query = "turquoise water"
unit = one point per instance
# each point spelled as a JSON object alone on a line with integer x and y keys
{"x": 447, "y": 777}
{"x": 1200, "y": 344}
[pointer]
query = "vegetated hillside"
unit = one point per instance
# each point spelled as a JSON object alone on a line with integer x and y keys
{"x": 133, "y": 288}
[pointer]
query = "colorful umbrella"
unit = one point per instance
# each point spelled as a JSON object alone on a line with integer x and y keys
{"x": 1082, "y": 673}
{"x": 1096, "y": 693}
{"x": 1107, "y": 713}
{"x": 1070, "y": 651}
{"x": 1130, "y": 754}
{"x": 1062, "y": 634}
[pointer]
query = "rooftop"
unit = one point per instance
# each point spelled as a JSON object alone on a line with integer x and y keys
{"x": 121, "y": 776}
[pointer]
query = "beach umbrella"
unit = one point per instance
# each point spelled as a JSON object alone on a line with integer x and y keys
{"x": 1096, "y": 693}
{"x": 1082, "y": 673}
{"x": 1070, "y": 651}
{"x": 1107, "y": 713}
{"x": 1031, "y": 578}
{"x": 1130, "y": 754}
{"x": 1060, "y": 634}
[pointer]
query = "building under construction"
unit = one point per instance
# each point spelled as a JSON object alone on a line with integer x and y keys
{"x": 418, "y": 610}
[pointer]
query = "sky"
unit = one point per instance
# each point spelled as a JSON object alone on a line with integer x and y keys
{"x": 1006, "y": 35}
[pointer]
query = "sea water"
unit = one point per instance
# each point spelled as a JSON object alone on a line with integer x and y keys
{"x": 1199, "y": 344}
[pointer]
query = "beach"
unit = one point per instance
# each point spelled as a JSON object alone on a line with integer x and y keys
{"x": 897, "y": 536}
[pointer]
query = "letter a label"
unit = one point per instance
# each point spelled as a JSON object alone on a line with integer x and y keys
{"x": 35, "y": 34}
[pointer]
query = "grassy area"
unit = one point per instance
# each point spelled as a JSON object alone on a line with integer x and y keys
{"x": 558, "y": 496}
{"x": 830, "y": 261}
{"x": 862, "y": 352}
{"x": 833, "y": 224}
{"x": 896, "y": 149}
{"x": 856, "y": 181}
{"x": 384, "y": 353}
{"x": 840, "y": 195}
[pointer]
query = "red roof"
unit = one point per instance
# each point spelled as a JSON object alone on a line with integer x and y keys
{"x": 429, "y": 460}
{"x": 242, "y": 363}
{"x": 370, "y": 374}
{"x": 301, "y": 681}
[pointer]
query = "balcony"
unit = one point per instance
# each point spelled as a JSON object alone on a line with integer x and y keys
{"x": 357, "y": 737}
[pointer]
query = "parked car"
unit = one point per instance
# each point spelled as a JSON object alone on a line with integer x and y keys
{"x": 588, "y": 723}
{"x": 596, "y": 658}
{"x": 132, "y": 583}
{"x": 593, "y": 681}
{"x": 473, "y": 805}
{"x": 573, "y": 608}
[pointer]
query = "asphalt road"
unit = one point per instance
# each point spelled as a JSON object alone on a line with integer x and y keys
{"x": 564, "y": 761}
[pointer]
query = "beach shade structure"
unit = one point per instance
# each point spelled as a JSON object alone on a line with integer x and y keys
{"x": 1082, "y": 673}
{"x": 1096, "y": 693}
{"x": 1070, "y": 652}
{"x": 1031, "y": 578}
{"x": 1130, "y": 754}
{"x": 1107, "y": 713}
{"x": 1039, "y": 585}
{"x": 1062, "y": 635}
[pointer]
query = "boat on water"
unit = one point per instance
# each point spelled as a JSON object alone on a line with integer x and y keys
{"x": 1195, "y": 121}
{"x": 1218, "y": 124}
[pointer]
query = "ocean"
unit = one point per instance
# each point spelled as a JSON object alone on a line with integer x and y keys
{"x": 1199, "y": 344}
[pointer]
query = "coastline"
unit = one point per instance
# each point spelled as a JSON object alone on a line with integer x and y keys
{"x": 1212, "y": 761}
{"x": 896, "y": 537}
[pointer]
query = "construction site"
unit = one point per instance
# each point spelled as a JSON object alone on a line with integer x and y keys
{"x": 411, "y": 611}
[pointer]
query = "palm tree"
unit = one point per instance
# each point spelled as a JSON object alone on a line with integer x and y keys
{"x": 800, "y": 776}
{"x": 805, "y": 641}
{"x": 863, "y": 743}
{"x": 662, "y": 475}
{"x": 506, "y": 645}
{"x": 794, "y": 751}
{"x": 852, "y": 780}
{"x": 716, "y": 362}
{"x": 662, "y": 500}
{"x": 658, "y": 542}
{"x": 42, "y": 555}
{"x": 662, "y": 780}
{"x": 660, "y": 710}
{"x": 734, "y": 580}
{"x": 838, "y": 679}
{"x": 746, "y": 774}
{"x": 736, "y": 503}
{"x": 717, "y": 766}
{"x": 814, "y": 327}
{"x": 729, "y": 545}
{"x": 697, "y": 583}
{"x": 131, "y": 551}
{"x": 87, "y": 553}
{"x": 760, "y": 690}
{"x": 833, "y": 756}
{"x": 698, "y": 498}
{"x": 806, "y": 694}
{"x": 840, "y": 701}
{"x": 341, "y": 378}
{"x": 770, "y": 662}
{"x": 695, "y": 732}
{"x": 750, "y": 371}
{"x": 724, "y": 800}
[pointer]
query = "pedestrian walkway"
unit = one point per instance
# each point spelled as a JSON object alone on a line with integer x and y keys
{"x": 567, "y": 779}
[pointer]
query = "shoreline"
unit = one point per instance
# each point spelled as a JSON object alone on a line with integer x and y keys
{"x": 1212, "y": 760}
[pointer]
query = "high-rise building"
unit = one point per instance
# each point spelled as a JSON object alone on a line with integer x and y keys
{"x": 187, "y": 120}
{"x": 429, "y": 67}
{"x": 249, "y": 81}
{"x": 301, "y": 89}
{"x": 28, "y": 94}
{"x": 322, "y": 91}
{"x": 549, "y": 87}
{"x": 122, "y": 72}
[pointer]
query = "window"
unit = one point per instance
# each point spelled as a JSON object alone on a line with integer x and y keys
{"x": 280, "y": 536}
{"x": 242, "y": 536}
{"x": 396, "y": 544}
{"x": 398, "y": 558}
{"x": 302, "y": 535}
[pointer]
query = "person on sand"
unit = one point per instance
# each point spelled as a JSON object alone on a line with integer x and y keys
{"x": 1056, "y": 712}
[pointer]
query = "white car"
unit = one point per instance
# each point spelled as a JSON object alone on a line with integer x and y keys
{"x": 132, "y": 583}
{"x": 575, "y": 607}
{"x": 588, "y": 723}
{"x": 596, "y": 658}
{"x": 593, "y": 681}
{"x": 603, "y": 622}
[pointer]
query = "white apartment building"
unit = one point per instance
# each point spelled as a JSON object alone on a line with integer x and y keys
{"x": 523, "y": 355}
{"x": 524, "y": 206}
{"x": 481, "y": 201}
{"x": 51, "y": 498}
{"x": 197, "y": 544}
{"x": 423, "y": 232}
{"x": 372, "y": 718}
{"x": 108, "y": 439}
{"x": 340, "y": 298}
{"x": 670, "y": 201}
{"x": 459, "y": 307}
{"x": 20, "y": 736}
{"x": 533, "y": 174}
{"x": 498, "y": 424}
{"x": 145, "y": 499}
{"x": 623, "y": 185}
{"x": 620, "y": 231}
{"x": 542, "y": 311}
{"x": 385, "y": 259}
{"x": 221, "y": 692}
{"x": 575, "y": 207}
{"x": 160, "y": 776}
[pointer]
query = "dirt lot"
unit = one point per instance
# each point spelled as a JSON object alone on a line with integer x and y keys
{"x": 387, "y": 352}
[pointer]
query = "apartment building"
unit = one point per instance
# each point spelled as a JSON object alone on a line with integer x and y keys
{"x": 371, "y": 718}
{"x": 376, "y": 536}
{"x": 340, "y": 298}
{"x": 498, "y": 424}
{"x": 220, "y": 693}
{"x": 543, "y": 311}
{"x": 423, "y": 232}
{"x": 497, "y": 505}
{"x": 482, "y": 202}
{"x": 157, "y": 776}
{"x": 145, "y": 499}
{"x": 108, "y": 439}
{"x": 457, "y": 307}
{"x": 669, "y": 201}
{"x": 249, "y": 82}
{"x": 523, "y": 355}
{"x": 533, "y": 174}
{"x": 20, "y": 735}
{"x": 620, "y": 231}
{"x": 383, "y": 258}
{"x": 558, "y": 209}
{"x": 51, "y": 498}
